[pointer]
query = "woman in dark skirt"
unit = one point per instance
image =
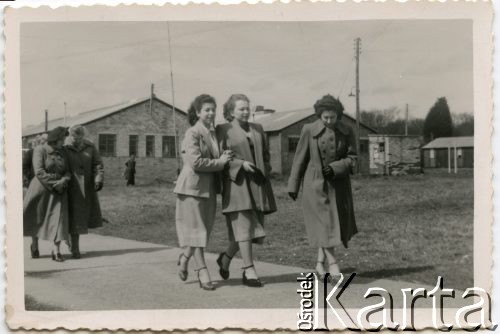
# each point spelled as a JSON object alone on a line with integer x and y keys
{"x": 45, "y": 205}
{"x": 324, "y": 158}
{"x": 130, "y": 171}
{"x": 197, "y": 186}
{"x": 246, "y": 194}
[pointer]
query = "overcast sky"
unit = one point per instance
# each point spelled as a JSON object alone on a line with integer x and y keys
{"x": 283, "y": 66}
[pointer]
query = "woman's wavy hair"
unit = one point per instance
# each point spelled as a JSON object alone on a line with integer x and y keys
{"x": 231, "y": 103}
{"x": 196, "y": 105}
{"x": 328, "y": 102}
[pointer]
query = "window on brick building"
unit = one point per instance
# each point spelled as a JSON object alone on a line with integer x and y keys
{"x": 150, "y": 146}
{"x": 292, "y": 144}
{"x": 133, "y": 144}
{"x": 107, "y": 145}
{"x": 168, "y": 147}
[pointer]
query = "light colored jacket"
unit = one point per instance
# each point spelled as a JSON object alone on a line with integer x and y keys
{"x": 201, "y": 163}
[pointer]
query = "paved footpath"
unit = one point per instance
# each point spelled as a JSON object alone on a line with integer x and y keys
{"x": 121, "y": 274}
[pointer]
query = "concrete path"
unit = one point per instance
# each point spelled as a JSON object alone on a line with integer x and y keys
{"x": 120, "y": 274}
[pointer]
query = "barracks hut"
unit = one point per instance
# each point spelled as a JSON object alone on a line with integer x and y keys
{"x": 283, "y": 132}
{"x": 449, "y": 152}
{"x": 143, "y": 127}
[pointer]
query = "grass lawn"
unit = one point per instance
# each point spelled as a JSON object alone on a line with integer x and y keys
{"x": 412, "y": 228}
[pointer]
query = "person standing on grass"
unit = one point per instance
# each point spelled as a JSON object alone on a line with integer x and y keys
{"x": 247, "y": 194}
{"x": 324, "y": 158}
{"x": 130, "y": 170}
{"x": 196, "y": 187}
{"x": 87, "y": 179}
{"x": 45, "y": 205}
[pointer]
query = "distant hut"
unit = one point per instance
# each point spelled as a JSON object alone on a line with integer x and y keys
{"x": 448, "y": 152}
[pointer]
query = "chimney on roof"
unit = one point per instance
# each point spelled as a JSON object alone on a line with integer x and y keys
{"x": 261, "y": 110}
{"x": 151, "y": 99}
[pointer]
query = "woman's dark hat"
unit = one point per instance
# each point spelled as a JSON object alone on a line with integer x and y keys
{"x": 328, "y": 102}
{"x": 57, "y": 133}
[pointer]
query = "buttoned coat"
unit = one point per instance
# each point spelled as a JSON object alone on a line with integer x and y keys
{"x": 240, "y": 191}
{"x": 201, "y": 163}
{"x": 45, "y": 211}
{"x": 307, "y": 170}
{"x": 87, "y": 169}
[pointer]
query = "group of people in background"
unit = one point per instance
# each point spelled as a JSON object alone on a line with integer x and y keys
{"x": 63, "y": 174}
{"x": 233, "y": 159}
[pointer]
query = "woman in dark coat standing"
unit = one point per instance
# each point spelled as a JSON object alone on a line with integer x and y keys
{"x": 324, "y": 158}
{"x": 246, "y": 193}
{"x": 87, "y": 172}
{"x": 130, "y": 171}
{"x": 45, "y": 205}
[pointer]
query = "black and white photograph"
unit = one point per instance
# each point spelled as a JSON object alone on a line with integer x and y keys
{"x": 218, "y": 164}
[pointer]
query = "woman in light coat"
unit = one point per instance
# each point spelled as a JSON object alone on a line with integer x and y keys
{"x": 45, "y": 205}
{"x": 197, "y": 186}
{"x": 246, "y": 194}
{"x": 324, "y": 158}
{"x": 87, "y": 177}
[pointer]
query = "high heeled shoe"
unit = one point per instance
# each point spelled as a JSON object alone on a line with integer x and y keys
{"x": 209, "y": 286}
{"x": 35, "y": 254}
{"x": 321, "y": 276}
{"x": 57, "y": 257}
{"x": 224, "y": 273}
{"x": 251, "y": 282}
{"x": 183, "y": 273}
{"x": 334, "y": 273}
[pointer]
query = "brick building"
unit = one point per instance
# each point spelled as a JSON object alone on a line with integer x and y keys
{"x": 143, "y": 127}
{"x": 394, "y": 154}
{"x": 283, "y": 132}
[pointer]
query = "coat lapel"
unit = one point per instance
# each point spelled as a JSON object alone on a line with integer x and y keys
{"x": 239, "y": 133}
{"x": 257, "y": 146}
{"x": 205, "y": 136}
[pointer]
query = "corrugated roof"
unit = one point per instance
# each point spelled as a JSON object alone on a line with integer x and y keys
{"x": 87, "y": 116}
{"x": 279, "y": 120}
{"x": 445, "y": 142}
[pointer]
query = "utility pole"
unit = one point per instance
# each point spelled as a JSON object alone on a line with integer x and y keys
{"x": 46, "y": 120}
{"x": 173, "y": 99}
{"x": 406, "y": 122}
{"x": 65, "y": 114}
{"x": 358, "y": 45}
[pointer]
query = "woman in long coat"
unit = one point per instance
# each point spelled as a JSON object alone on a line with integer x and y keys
{"x": 130, "y": 171}
{"x": 87, "y": 173}
{"x": 246, "y": 194}
{"x": 197, "y": 186}
{"x": 45, "y": 205}
{"x": 324, "y": 158}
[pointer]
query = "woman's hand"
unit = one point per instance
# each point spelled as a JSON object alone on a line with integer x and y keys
{"x": 249, "y": 167}
{"x": 59, "y": 186}
{"x": 293, "y": 196}
{"x": 328, "y": 172}
{"x": 226, "y": 157}
{"x": 98, "y": 186}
